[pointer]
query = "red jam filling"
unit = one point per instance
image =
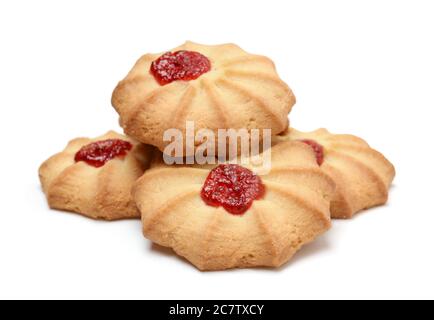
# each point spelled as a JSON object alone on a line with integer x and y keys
{"x": 98, "y": 153}
{"x": 180, "y": 65}
{"x": 317, "y": 148}
{"x": 232, "y": 187}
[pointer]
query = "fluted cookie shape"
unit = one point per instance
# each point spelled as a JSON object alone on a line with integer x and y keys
{"x": 94, "y": 177}
{"x": 293, "y": 210}
{"x": 362, "y": 175}
{"x": 240, "y": 90}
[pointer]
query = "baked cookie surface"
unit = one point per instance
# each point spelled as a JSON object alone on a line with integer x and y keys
{"x": 362, "y": 175}
{"x": 204, "y": 214}
{"x": 234, "y": 89}
{"x": 94, "y": 177}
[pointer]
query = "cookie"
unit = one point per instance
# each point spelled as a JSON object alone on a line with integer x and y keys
{"x": 94, "y": 177}
{"x": 362, "y": 175}
{"x": 216, "y": 87}
{"x": 226, "y": 216}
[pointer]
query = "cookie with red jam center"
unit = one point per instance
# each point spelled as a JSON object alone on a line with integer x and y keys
{"x": 216, "y": 87}
{"x": 228, "y": 216}
{"x": 362, "y": 175}
{"x": 94, "y": 177}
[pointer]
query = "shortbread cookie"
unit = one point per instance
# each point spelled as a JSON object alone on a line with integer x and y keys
{"x": 216, "y": 87}
{"x": 94, "y": 177}
{"x": 225, "y": 216}
{"x": 363, "y": 175}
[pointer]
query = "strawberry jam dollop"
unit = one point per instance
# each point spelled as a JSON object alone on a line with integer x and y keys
{"x": 317, "y": 148}
{"x": 232, "y": 187}
{"x": 98, "y": 153}
{"x": 179, "y": 65}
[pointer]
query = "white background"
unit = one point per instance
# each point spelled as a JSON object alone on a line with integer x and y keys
{"x": 361, "y": 67}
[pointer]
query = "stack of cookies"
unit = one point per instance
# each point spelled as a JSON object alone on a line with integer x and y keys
{"x": 226, "y": 213}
